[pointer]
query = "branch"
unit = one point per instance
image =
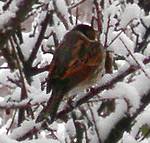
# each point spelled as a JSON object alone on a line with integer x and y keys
{"x": 44, "y": 24}
{"x": 95, "y": 125}
{"x": 99, "y": 16}
{"x": 125, "y": 123}
{"x": 120, "y": 75}
{"x": 93, "y": 92}
{"x": 14, "y": 18}
{"x": 134, "y": 58}
{"x": 60, "y": 16}
{"x": 77, "y": 4}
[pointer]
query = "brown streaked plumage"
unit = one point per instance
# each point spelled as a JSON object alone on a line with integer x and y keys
{"x": 77, "y": 61}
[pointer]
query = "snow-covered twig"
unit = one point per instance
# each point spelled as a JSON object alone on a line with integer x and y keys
{"x": 135, "y": 59}
{"x": 60, "y": 16}
{"x": 77, "y": 4}
{"x": 44, "y": 24}
{"x": 95, "y": 125}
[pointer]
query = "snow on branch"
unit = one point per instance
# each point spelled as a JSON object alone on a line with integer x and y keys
{"x": 108, "y": 82}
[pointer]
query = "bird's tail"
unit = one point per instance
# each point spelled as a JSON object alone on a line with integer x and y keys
{"x": 50, "y": 110}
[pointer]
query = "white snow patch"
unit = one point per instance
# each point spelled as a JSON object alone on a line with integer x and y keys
{"x": 70, "y": 128}
{"x": 24, "y": 128}
{"x": 146, "y": 20}
{"x": 127, "y": 138}
{"x": 132, "y": 11}
{"x": 125, "y": 91}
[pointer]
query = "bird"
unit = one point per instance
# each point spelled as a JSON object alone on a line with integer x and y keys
{"x": 77, "y": 61}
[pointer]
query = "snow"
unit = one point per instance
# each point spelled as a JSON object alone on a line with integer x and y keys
{"x": 136, "y": 59}
{"x": 147, "y": 50}
{"x": 24, "y": 128}
{"x": 127, "y": 138}
{"x": 127, "y": 92}
{"x": 141, "y": 83}
{"x": 28, "y": 44}
{"x": 117, "y": 46}
{"x": 37, "y": 96}
{"x": 61, "y": 132}
{"x": 1, "y": 6}
{"x": 110, "y": 11}
{"x": 131, "y": 12}
{"x": 9, "y": 14}
{"x": 58, "y": 28}
{"x": 6, "y": 139}
{"x": 142, "y": 119}
{"x": 106, "y": 124}
{"x": 4, "y": 19}
{"x": 62, "y": 7}
{"x": 70, "y": 128}
{"x": 3, "y": 75}
{"x": 146, "y": 20}
{"x": 15, "y": 96}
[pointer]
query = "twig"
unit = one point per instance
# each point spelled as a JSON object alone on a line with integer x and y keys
{"x": 13, "y": 118}
{"x": 95, "y": 124}
{"x": 106, "y": 34}
{"x": 35, "y": 70}
{"x": 20, "y": 54}
{"x": 24, "y": 104}
{"x": 70, "y": 12}
{"x": 60, "y": 16}
{"x": 135, "y": 59}
{"x": 6, "y": 5}
{"x": 16, "y": 82}
{"x": 39, "y": 39}
{"x": 77, "y": 4}
{"x": 114, "y": 39}
{"x": 77, "y": 15}
{"x": 142, "y": 45}
{"x": 21, "y": 115}
{"x": 99, "y": 17}
{"x": 4, "y": 67}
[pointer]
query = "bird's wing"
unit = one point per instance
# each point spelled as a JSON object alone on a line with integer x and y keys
{"x": 86, "y": 58}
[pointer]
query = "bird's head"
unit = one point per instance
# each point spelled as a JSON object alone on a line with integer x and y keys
{"x": 86, "y": 30}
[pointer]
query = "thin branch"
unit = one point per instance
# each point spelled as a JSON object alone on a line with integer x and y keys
{"x": 35, "y": 70}
{"x": 19, "y": 52}
{"x": 95, "y": 124}
{"x": 39, "y": 39}
{"x": 77, "y": 4}
{"x": 77, "y": 15}
{"x": 114, "y": 38}
{"x": 107, "y": 31}
{"x": 21, "y": 115}
{"x": 99, "y": 17}
{"x": 4, "y": 67}
{"x": 24, "y": 104}
{"x": 13, "y": 119}
{"x": 135, "y": 59}
{"x": 60, "y": 16}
